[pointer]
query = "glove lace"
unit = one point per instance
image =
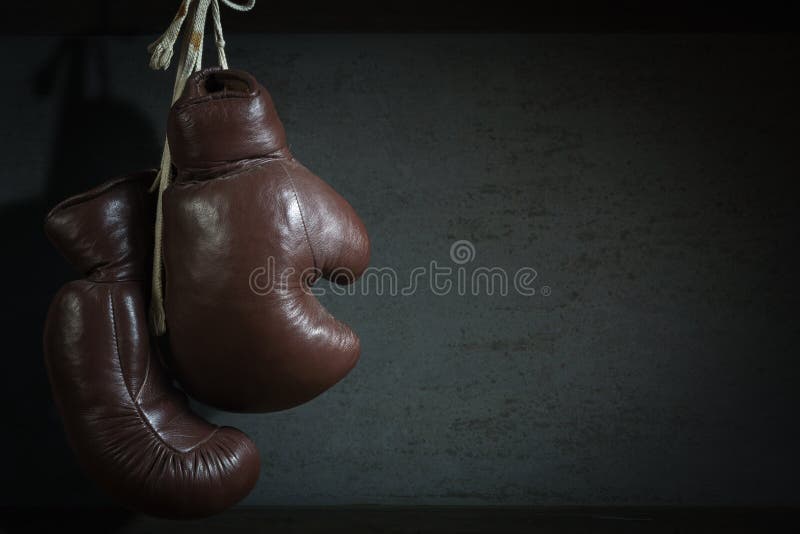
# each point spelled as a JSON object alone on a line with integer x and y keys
{"x": 190, "y": 61}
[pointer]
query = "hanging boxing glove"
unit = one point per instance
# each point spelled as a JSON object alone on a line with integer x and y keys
{"x": 131, "y": 430}
{"x": 247, "y": 231}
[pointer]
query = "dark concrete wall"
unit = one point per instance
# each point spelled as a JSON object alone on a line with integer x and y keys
{"x": 649, "y": 180}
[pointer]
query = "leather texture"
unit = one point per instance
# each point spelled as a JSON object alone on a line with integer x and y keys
{"x": 241, "y": 216}
{"x": 130, "y": 428}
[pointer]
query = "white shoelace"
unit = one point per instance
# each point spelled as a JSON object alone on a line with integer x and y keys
{"x": 190, "y": 61}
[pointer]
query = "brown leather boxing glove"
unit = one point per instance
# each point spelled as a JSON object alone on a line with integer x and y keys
{"x": 131, "y": 430}
{"x": 247, "y": 232}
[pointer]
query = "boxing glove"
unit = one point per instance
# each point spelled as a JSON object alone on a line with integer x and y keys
{"x": 247, "y": 231}
{"x": 131, "y": 429}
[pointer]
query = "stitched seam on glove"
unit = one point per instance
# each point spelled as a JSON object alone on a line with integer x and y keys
{"x": 253, "y": 164}
{"x": 302, "y": 218}
{"x": 139, "y": 412}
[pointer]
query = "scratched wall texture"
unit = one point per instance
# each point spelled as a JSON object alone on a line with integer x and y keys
{"x": 649, "y": 180}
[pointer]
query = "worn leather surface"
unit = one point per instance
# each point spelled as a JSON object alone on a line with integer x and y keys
{"x": 243, "y": 216}
{"x": 130, "y": 428}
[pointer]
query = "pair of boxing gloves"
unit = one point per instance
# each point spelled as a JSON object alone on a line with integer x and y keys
{"x": 247, "y": 230}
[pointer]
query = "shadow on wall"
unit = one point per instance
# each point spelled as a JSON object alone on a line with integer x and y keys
{"x": 96, "y": 137}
